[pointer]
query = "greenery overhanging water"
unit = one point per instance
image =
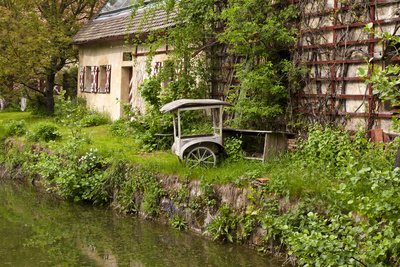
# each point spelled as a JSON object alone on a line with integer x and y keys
{"x": 38, "y": 229}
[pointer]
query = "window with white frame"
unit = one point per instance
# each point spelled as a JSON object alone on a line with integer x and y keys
{"x": 94, "y": 79}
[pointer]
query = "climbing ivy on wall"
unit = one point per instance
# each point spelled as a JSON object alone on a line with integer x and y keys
{"x": 385, "y": 82}
{"x": 262, "y": 33}
{"x": 256, "y": 32}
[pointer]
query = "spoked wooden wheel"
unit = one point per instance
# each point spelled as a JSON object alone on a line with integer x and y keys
{"x": 201, "y": 157}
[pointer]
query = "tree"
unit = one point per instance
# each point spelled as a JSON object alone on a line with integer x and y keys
{"x": 35, "y": 37}
{"x": 263, "y": 31}
{"x": 258, "y": 32}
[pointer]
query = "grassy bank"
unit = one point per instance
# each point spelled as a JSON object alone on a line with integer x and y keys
{"x": 334, "y": 202}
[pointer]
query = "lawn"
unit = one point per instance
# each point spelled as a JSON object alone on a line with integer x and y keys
{"x": 129, "y": 148}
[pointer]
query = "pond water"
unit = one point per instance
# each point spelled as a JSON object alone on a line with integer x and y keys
{"x": 37, "y": 229}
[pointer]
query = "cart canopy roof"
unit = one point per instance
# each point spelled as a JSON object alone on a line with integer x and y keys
{"x": 174, "y": 105}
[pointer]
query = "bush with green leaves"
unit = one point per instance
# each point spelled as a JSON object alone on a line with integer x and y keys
{"x": 178, "y": 222}
{"x": 139, "y": 184}
{"x": 234, "y": 149}
{"x": 16, "y": 128}
{"x": 121, "y": 127}
{"x": 145, "y": 127}
{"x": 222, "y": 226}
{"x": 321, "y": 160}
{"x": 94, "y": 119}
{"x": 329, "y": 146}
{"x": 342, "y": 240}
{"x": 11, "y": 107}
{"x": 69, "y": 112}
{"x": 2, "y": 130}
{"x": 345, "y": 201}
{"x": 44, "y": 131}
{"x": 72, "y": 175}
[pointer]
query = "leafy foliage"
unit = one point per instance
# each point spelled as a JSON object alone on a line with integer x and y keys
{"x": 44, "y": 131}
{"x": 253, "y": 28}
{"x": 384, "y": 82}
{"x": 234, "y": 149}
{"x": 262, "y": 32}
{"x": 35, "y": 40}
{"x": 121, "y": 127}
{"x": 178, "y": 222}
{"x": 70, "y": 113}
{"x": 74, "y": 176}
{"x": 224, "y": 223}
{"x": 94, "y": 119}
{"x": 16, "y": 128}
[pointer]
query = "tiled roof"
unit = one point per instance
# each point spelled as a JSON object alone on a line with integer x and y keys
{"x": 102, "y": 28}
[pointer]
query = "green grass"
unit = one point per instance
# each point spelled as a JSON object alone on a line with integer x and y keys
{"x": 6, "y": 117}
{"x": 293, "y": 175}
{"x": 128, "y": 148}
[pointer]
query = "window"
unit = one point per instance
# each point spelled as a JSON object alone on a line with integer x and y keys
{"x": 94, "y": 79}
{"x": 88, "y": 79}
{"x": 127, "y": 56}
{"x": 104, "y": 79}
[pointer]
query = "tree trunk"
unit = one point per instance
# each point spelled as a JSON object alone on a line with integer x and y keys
{"x": 49, "y": 93}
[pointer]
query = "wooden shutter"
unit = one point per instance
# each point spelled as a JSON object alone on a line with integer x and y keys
{"x": 82, "y": 79}
{"x": 108, "y": 78}
{"x": 94, "y": 78}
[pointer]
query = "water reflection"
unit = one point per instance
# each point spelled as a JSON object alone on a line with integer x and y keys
{"x": 37, "y": 229}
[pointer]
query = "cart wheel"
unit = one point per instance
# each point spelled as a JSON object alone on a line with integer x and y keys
{"x": 200, "y": 157}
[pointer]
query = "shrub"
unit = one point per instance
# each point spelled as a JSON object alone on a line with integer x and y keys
{"x": 94, "y": 119}
{"x": 36, "y": 106}
{"x": 69, "y": 113}
{"x": 121, "y": 128}
{"x": 16, "y": 128}
{"x": 178, "y": 222}
{"x": 45, "y": 132}
{"x": 2, "y": 130}
{"x": 146, "y": 126}
{"x": 11, "y": 107}
{"x": 223, "y": 224}
{"x": 234, "y": 149}
{"x": 64, "y": 106}
{"x": 80, "y": 178}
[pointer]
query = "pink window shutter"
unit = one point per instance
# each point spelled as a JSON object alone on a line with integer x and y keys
{"x": 108, "y": 78}
{"x": 82, "y": 79}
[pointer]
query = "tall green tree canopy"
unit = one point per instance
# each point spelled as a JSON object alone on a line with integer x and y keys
{"x": 258, "y": 32}
{"x": 35, "y": 37}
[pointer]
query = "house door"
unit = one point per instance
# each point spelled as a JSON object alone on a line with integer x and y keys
{"x": 126, "y": 84}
